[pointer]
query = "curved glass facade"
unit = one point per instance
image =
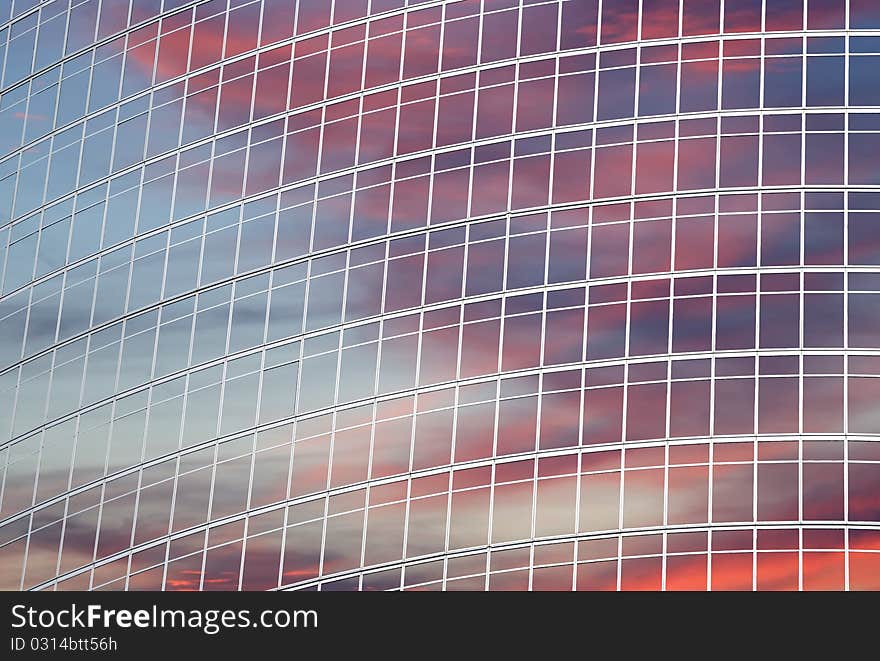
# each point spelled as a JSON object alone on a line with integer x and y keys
{"x": 377, "y": 294}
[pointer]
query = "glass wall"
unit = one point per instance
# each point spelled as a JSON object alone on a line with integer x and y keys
{"x": 377, "y": 294}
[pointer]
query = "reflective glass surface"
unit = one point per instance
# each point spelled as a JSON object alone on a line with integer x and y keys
{"x": 420, "y": 294}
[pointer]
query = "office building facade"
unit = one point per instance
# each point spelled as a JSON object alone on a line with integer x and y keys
{"x": 464, "y": 295}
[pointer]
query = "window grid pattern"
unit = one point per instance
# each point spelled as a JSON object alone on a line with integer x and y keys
{"x": 578, "y": 294}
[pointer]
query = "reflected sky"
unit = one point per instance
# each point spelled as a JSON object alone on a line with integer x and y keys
{"x": 468, "y": 295}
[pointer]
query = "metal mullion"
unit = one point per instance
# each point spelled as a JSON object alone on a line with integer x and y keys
{"x": 846, "y": 355}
